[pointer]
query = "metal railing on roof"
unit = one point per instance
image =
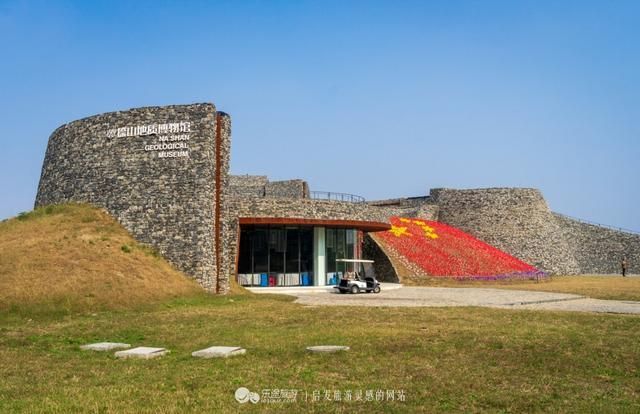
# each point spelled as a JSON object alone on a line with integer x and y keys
{"x": 604, "y": 226}
{"x": 331, "y": 196}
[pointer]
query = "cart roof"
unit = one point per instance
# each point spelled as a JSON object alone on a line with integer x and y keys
{"x": 354, "y": 260}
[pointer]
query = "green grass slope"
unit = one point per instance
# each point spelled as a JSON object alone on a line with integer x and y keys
{"x": 77, "y": 258}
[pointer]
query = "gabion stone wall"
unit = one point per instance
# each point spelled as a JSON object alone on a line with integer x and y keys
{"x": 600, "y": 250}
{"x": 417, "y": 207}
{"x": 159, "y": 171}
{"x": 247, "y": 185}
{"x": 516, "y": 220}
{"x": 260, "y": 186}
{"x": 287, "y": 189}
{"x": 223, "y": 257}
{"x": 382, "y": 265}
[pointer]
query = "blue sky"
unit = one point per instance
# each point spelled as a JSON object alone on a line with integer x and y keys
{"x": 381, "y": 99}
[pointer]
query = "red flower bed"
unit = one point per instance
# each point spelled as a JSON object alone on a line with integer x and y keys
{"x": 442, "y": 250}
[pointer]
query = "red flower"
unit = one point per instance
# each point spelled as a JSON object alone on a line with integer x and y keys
{"x": 442, "y": 250}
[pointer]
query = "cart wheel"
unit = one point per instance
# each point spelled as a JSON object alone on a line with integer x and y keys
{"x": 376, "y": 289}
{"x": 355, "y": 289}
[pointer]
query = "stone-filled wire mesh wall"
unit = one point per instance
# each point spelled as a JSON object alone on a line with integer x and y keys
{"x": 224, "y": 256}
{"x": 416, "y": 207}
{"x": 516, "y": 220}
{"x": 287, "y": 189}
{"x": 600, "y": 250}
{"x": 382, "y": 264}
{"x": 247, "y": 185}
{"x": 162, "y": 197}
{"x": 260, "y": 186}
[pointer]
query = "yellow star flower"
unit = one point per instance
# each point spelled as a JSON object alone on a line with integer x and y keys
{"x": 399, "y": 231}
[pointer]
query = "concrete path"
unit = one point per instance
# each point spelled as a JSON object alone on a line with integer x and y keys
{"x": 299, "y": 290}
{"x": 492, "y": 298}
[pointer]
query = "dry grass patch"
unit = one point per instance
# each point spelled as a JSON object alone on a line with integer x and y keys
{"x": 76, "y": 257}
{"x": 599, "y": 287}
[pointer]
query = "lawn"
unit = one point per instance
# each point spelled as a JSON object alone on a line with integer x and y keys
{"x": 449, "y": 359}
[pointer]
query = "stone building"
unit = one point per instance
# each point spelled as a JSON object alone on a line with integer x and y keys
{"x": 163, "y": 173}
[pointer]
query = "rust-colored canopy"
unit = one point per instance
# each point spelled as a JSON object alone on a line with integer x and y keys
{"x": 368, "y": 226}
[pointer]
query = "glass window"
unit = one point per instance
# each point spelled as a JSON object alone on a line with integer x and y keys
{"x": 277, "y": 246}
{"x": 260, "y": 250}
{"x": 286, "y": 255}
{"x": 245, "y": 258}
{"x": 306, "y": 249}
{"x": 341, "y": 249}
{"x": 292, "y": 263}
{"x": 330, "y": 242}
{"x": 351, "y": 243}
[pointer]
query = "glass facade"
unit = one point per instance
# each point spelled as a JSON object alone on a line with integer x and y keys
{"x": 284, "y": 255}
{"x": 341, "y": 244}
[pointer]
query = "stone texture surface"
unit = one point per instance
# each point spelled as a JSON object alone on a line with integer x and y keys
{"x": 169, "y": 202}
{"x": 598, "y": 249}
{"x": 260, "y": 186}
{"x": 382, "y": 265}
{"x": 219, "y": 352}
{"x": 287, "y": 189}
{"x": 419, "y": 207}
{"x": 142, "y": 352}
{"x": 516, "y": 220}
{"x": 223, "y": 257}
{"x": 104, "y": 346}
{"x": 247, "y": 185}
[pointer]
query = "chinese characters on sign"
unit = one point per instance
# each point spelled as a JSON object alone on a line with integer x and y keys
{"x": 172, "y": 138}
{"x": 378, "y": 395}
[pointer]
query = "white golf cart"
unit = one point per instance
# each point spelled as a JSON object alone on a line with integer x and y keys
{"x": 358, "y": 277}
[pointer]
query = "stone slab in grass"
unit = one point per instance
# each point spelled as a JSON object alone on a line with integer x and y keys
{"x": 142, "y": 352}
{"x": 219, "y": 352}
{"x": 327, "y": 348}
{"x": 104, "y": 346}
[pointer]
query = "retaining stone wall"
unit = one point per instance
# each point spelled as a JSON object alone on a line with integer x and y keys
{"x": 287, "y": 189}
{"x": 415, "y": 207}
{"x": 225, "y": 258}
{"x": 247, "y": 185}
{"x": 385, "y": 272}
{"x": 516, "y": 220}
{"x": 600, "y": 250}
{"x": 165, "y": 199}
{"x": 260, "y": 186}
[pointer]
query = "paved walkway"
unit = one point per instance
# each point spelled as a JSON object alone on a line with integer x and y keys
{"x": 492, "y": 298}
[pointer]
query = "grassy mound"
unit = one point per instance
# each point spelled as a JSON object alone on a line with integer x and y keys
{"x": 77, "y": 258}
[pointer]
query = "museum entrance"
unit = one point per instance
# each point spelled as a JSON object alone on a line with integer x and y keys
{"x": 281, "y": 255}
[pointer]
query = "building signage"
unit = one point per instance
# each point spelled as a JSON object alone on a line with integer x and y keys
{"x": 172, "y": 138}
